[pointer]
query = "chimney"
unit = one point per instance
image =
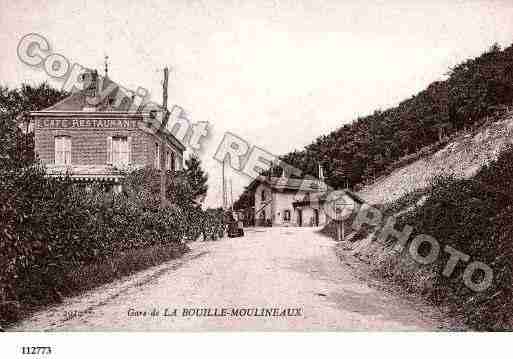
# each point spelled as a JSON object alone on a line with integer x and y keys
{"x": 106, "y": 66}
{"x": 91, "y": 82}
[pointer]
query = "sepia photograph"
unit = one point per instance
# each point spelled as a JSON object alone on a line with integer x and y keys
{"x": 270, "y": 167}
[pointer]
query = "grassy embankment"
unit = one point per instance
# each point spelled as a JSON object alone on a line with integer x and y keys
{"x": 471, "y": 214}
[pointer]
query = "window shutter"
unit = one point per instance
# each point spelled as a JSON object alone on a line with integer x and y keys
{"x": 129, "y": 149}
{"x": 58, "y": 151}
{"x": 109, "y": 150}
{"x": 157, "y": 156}
{"x": 179, "y": 163}
{"x": 67, "y": 150}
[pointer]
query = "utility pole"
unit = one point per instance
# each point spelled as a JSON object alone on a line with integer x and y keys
{"x": 231, "y": 194}
{"x": 224, "y": 188}
{"x": 162, "y": 163}
{"x": 164, "y": 87}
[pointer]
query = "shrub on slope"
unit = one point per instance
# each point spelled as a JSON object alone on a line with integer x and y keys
{"x": 473, "y": 216}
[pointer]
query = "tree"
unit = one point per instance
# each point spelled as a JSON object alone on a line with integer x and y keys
{"x": 17, "y": 145}
{"x": 14, "y": 102}
{"x": 475, "y": 90}
{"x": 245, "y": 200}
{"x": 180, "y": 189}
{"x": 195, "y": 175}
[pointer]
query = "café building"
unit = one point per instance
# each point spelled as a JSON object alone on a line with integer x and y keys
{"x": 101, "y": 143}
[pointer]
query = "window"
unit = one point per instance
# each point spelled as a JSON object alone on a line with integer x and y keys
{"x": 120, "y": 151}
{"x": 167, "y": 161}
{"x": 173, "y": 162}
{"x": 286, "y": 215}
{"x": 62, "y": 150}
{"x": 178, "y": 162}
{"x": 170, "y": 160}
{"x": 263, "y": 195}
{"x": 156, "y": 164}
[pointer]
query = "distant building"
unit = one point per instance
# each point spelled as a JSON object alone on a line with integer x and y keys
{"x": 282, "y": 201}
{"x": 100, "y": 143}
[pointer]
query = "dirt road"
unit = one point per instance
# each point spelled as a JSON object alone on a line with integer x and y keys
{"x": 268, "y": 271}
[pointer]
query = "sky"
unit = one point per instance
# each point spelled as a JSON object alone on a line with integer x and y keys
{"x": 276, "y": 73}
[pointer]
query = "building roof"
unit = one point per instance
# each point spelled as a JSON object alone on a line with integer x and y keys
{"x": 354, "y": 197}
{"x": 105, "y": 98}
{"x": 293, "y": 184}
{"x": 99, "y": 100}
{"x": 316, "y": 189}
{"x": 323, "y": 197}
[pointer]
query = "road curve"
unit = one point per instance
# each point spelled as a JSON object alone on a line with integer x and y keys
{"x": 254, "y": 279}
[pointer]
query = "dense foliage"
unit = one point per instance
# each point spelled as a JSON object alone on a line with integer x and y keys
{"x": 54, "y": 231}
{"x": 470, "y": 215}
{"x": 197, "y": 178}
{"x": 14, "y": 104}
{"x": 367, "y": 148}
{"x": 51, "y": 227}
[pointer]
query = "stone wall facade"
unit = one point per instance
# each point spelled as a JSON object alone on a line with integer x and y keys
{"x": 89, "y": 144}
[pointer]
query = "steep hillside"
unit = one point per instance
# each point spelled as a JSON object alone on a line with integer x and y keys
{"x": 355, "y": 154}
{"x": 461, "y": 197}
{"x": 358, "y": 152}
{"x": 463, "y": 156}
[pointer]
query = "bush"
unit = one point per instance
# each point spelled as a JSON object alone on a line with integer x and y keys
{"x": 473, "y": 216}
{"x": 53, "y": 229}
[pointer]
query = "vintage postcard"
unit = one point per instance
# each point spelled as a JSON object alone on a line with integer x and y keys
{"x": 255, "y": 166}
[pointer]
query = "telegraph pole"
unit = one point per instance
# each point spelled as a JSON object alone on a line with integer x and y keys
{"x": 162, "y": 163}
{"x": 224, "y": 188}
{"x": 231, "y": 194}
{"x": 164, "y": 87}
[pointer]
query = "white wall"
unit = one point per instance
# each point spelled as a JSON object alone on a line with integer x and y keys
{"x": 282, "y": 201}
{"x": 258, "y": 202}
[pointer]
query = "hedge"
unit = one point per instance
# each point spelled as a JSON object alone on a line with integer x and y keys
{"x": 52, "y": 227}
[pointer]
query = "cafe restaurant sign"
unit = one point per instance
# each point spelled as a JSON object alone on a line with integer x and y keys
{"x": 86, "y": 123}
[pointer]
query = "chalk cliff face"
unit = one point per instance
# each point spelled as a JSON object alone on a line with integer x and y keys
{"x": 462, "y": 157}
